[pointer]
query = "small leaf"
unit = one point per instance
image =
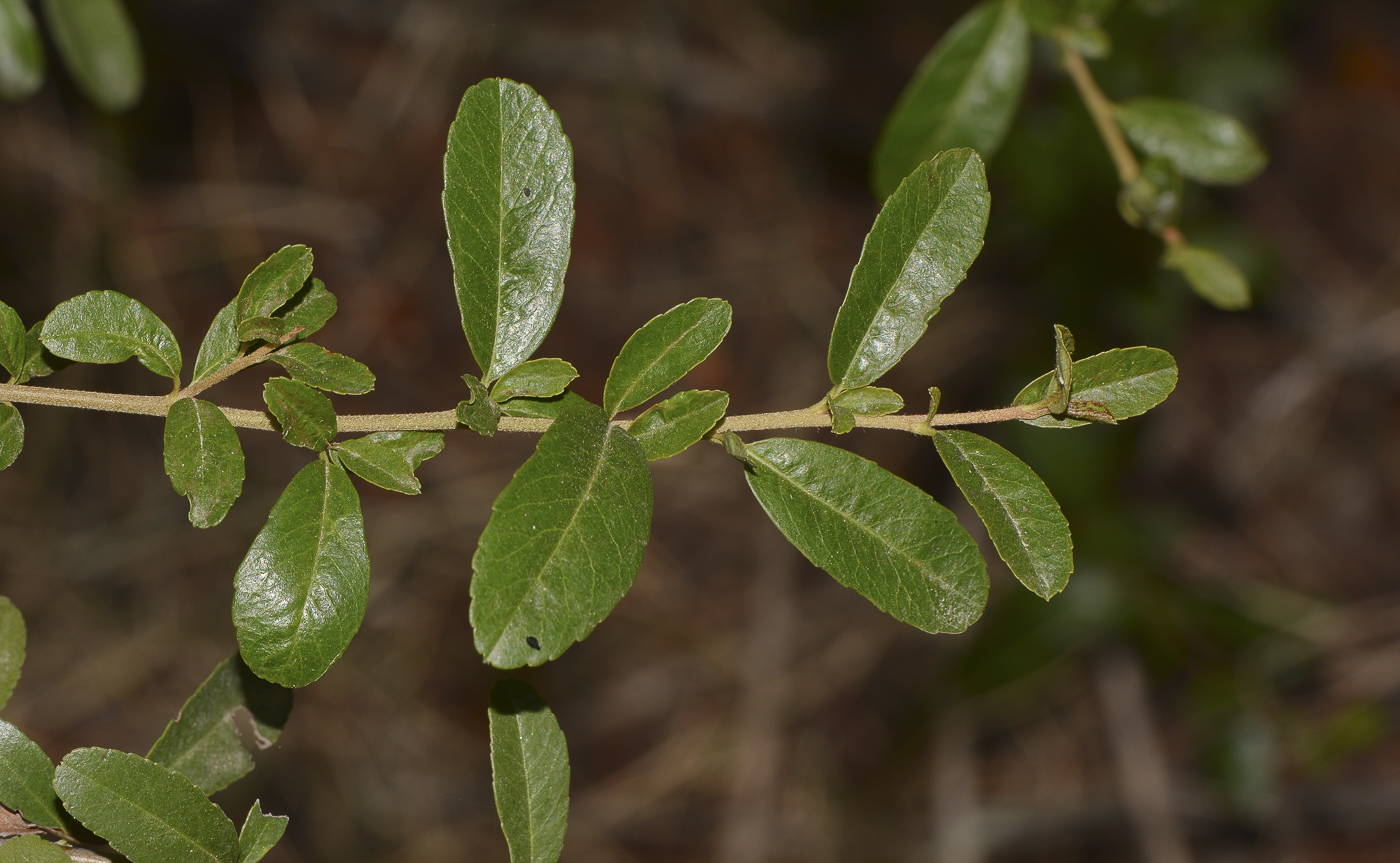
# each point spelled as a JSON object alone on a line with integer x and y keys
{"x": 309, "y": 310}
{"x": 203, "y": 459}
{"x": 546, "y": 409}
{"x": 922, "y": 243}
{"x": 540, "y": 378}
{"x": 272, "y": 283}
{"x": 1062, "y": 384}
{"x": 1124, "y": 381}
{"x": 32, "y": 849}
{"x": 1153, "y": 198}
{"x": 259, "y": 834}
{"x": 508, "y": 198}
{"x": 737, "y": 449}
{"x": 935, "y": 395}
{"x": 300, "y": 594}
{"x": 1211, "y": 275}
{"x": 39, "y": 361}
{"x": 318, "y": 367}
{"x": 868, "y": 401}
{"x": 964, "y": 94}
{"x": 21, "y": 53}
{"x": 201, "y": 742}
{"x": 100, "y": 49}
{"x": 1022, "y": 517}
{"x": 12, "y": 639}
{"x": 389, "y": 459}
{"x": 872, "y": 531}
{"x": 529, "y": 772}
{"x": 26, "y": 779}
{"x": 1205, "y": 145}
{"x": 671, "y": 427}
{"x": 564, "y": 541}
{"x": 843, "y": 420}
{"x": 479, "y": 412}
{"x": 107, "y": 327}
{"x": 13, "y": 350}
{"x": 147, "y": 812}
{"x": 306, "y": 417}
{"x": 220, "y": 346}
{"x": 663, "y": 350}
{"x": 11, "y": 434}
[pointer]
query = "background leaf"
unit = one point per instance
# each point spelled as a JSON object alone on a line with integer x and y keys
{"x": 919, "y": 249}
{"x": 220, "y": 345}
{"x": 542, "y": 408}
{"x": 1126, "y": 381}
{"x": 1205, "y": 145}
{"x": 273, "y": 282}
{"x": 300, "y": 594}
{"x": 108, "y": 327}
{"x": 11, "y": 434}
{"x": 529, "y": 772}
{"x": 564, "y": 541}
{"x": 872, "y": 531}
{"x": 259, "y": 834}
{"x": 540, "y": 378}
{"x": 671, "y": 427}
{"x": 12, "y": 639}
{"x": 315, "y": 366}
{"x": 26, "y": 779}
{"x": 1210, "y": 274}
{"x": 306, "y": 417}
{"x": 99, "y": 48}
{"x": 31, "y": 849}
{"x": 21, "y": 52}
{"x": 203, "y": 459}
{"x": 663, "y": 350}
{"x": 13, "y": 348}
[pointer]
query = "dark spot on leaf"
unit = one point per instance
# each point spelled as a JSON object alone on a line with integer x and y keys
{"x": 533, "y": 642}
{"x": 528, "y": 192}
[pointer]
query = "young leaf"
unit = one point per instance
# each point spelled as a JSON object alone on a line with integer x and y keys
{"x": 663, "y": 350}
{"x": 389, "y": 459}
{"x": 220, "y": 345}
{"x": 564, "y": 541}
{"x": 309, "y": 310}
{"x": 107, "y": 327}
{"x": 305, "y": 416}
{"x": 539, "y": 379}
{"x": 300, "y": 594}
{"x": 843, "y": 420}
{"x": 318, "y": 367}
{"x": 1125, "y": 381}
{"x": 529, "y": 772}
{"x": 868, "y": 401}
{"x": 546, "y": 409}
{"x": 149, "y": 813}
{"x": 671, "y": 427}
{"x": 13, "y": 350}
{"x": 259, "y": 834}
{"x": 21, "y": 52}
{"x": 12, "y": 638}
{"x": 26, "y": 779}
{"x": 31, "y": 849}
{"x": 201, "y": 742}
{"x": 272, "y": 283}
{"x": 479, "y": 412}
{"x": 1211, "y": 275}
{"x": 1021, "y": 515}
{"x": 39, "y": 361}
{"x": 11, "y": 434}
{"x": 919, "y": 249}
{"x": 1205, "y": 145}
{"x": 100, "y": 50}
{"x": 203, "y": 459}
{"x": 964, "y": 94}
{"x": 872, "y": 531}
{"x": 508, "y": 198}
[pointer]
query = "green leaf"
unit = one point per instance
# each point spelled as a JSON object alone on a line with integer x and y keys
{"x": 300, "y": 594}
{"x": 872, "y": 531}
{"x": 843, "y": 420}
{"x": 1205, "y": 145}
{"x": 1088, "y": 39}
{"x": 922, "y": 243}
{"x": 663, "y": 350}
{"x": 529, "y": 772}
{"x": 1022, "y": 517}
{"x": 564, "y": 541}
{"x": 1152, "y": 199}
{"x": 508, "y": 198}
{"x": 100, "y": 49}
{"x": 203, "y": 459}
{"x": 309, "y": 310}
{"x": 26, "y": 779}
{"x": 540, "y": 378}
{"x": 107, "y": 327}
{"x": 389, "y": 459}
{"x": 1211, "y": 275}
{"x": 1125, "y": 381}
{"x": 31, "y": 849}
{"x": 12, "y": 638}
{"x": 220, "y": 346}
{"x": 202, "y": 743}
{"x": 149, "y": 813}
{"x": 479, "y": 412}
{"x": 272, "y": 283}
{"x": 964, "y": 94}
{"x": 306, "y": 417}
{"x": 21, "y": 52}
{"x": 671, "y": 427}
{"x": 13, "y": 348}
{"x": 11, "y": 434}
{"x": 868, "y": 401}
{"x": 546, "y": 409}
{"x": 318, "y": 367}
{"x": 259, "y": 834}
{"x": 39, "y": 361}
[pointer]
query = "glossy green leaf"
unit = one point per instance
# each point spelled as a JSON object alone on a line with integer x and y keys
{"x": 21, "y": 52}
{"x": 663, "y": 350}
{"x": 922, "y": 243}
{"x": 220, "y": 346}
{"x": 12, "y": 639}
{"x": 1125, "y": 381}
{"x": 508, "y": 198}
{"x": 32, "y": 849}
{"x": 39, "y": 361}
{"x": 1205, "y": 145}
{"x": 389, "y": 459}
{"x": 149, "y": 813}
{"x": 259, "y": 834}
{"x": 479, "y": 412}
{"x": 564, "y": 541}
{"x": 203, "y": 459}
{"x": 26, "y": 779}
{"x": 869, "y": 401}
{"x": 872, "y": 531}
{"x": 543, "y": 408}
{"x": 306, "y": 417}
{"x": 107, "y": 327}
{"x": 202, "y": 743}
{"x": 1210, "y": 274}
{"x": 13, "y": 348}
{"x": 1022, "y": 518}
{"x": 529, "y": 772}
{"x": 318, "y": 367}
{"x": 11, "y": 434}
{"x": 538, "y": 379}
{"x": 100, "y": 49}
{"x": 273, "y": 282}
{"x": 309, "y": 309}
{"x": 964, "y": 94}
{"x": 300, "y": 594}
{"x": 671, "y": 427}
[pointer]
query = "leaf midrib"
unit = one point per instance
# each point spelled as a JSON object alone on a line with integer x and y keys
{"x": 1001, "y": 502}
{"x": 622, "y": 399}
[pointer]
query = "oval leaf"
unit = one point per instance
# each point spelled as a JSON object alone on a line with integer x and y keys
{"x": 26, "y": 779}
{"x": 1125, "y": 381}
{"x": 203, "y": 459}
{"x": 508, "y": 198}
{"x": 1205, "y": 145}
{"x": 389, "y": 459}
{"x": 964, "y": 94}
{"x": 11, "y": 434}
{"x": 100, "y": 50}
{"x": 108, "y": 327}
{"x": 21, "y": 52}
{"x": 12, "y": 638}
{"x": 671, "y": 427}
{"x": 300, "y": 594}
{"x": 564, "y": 542}
{"x": 869, "y": 401}
{"x": 872, "y": 531}
{"x": 147, "y": 812}
{"x": 1210, "y": 274}
{"x": 220, "y": 346}
{"x": 259, "y": 834}
{"x": 315, "y": 366}
{"x": 32, "y": 849}
{"x": 538, "y": 379}
{"x": 922, "y": 243}
{"x": 529, "y": 772}
{"x": 273, "y": 282}
{"x": 306, "y": 417}
{"x": 13, "y": 338}
{"x": 663, "y": 350}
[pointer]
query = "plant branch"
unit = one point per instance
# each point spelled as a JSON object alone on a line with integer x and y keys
{"x": 1101, "y": 109}
{"x": 228, "y": 371}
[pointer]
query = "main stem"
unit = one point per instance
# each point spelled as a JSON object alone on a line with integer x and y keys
{"x": 1102, "y": 111}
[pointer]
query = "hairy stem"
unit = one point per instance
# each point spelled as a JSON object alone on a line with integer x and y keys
{"x": 1102, "y": 111}
{"x": 228, "y": 371}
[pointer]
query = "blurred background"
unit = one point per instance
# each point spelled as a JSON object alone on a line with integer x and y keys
{"x": 1220, "y": 679}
